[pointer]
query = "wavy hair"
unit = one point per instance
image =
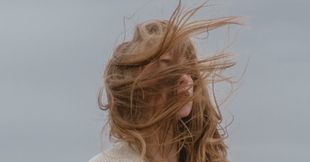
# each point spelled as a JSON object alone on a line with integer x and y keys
{"x": 133, "y": 115}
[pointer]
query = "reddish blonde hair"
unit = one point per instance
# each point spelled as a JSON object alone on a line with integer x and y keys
{"x": 129, "y": 90}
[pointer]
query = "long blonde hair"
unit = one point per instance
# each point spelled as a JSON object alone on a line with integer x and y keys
{"x": 132, "y": 115}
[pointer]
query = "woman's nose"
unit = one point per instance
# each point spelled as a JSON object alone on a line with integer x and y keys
{"x": 185, "y": 82}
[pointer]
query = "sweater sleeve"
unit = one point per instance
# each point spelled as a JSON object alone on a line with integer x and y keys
{"x": 120, "y": 152}
{"x": 104, "y": 157}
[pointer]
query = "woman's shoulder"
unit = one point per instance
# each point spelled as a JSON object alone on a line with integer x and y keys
{"x": 119, "y": 152}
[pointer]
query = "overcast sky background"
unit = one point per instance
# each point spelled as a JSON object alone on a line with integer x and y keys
{"x": 52, "y": 55}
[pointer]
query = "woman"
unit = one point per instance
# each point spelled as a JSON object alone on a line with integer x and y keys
{"x": 159, "y": 105}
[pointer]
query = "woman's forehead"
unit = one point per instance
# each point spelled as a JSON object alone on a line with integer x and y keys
{"x": 171, "y": 56}
{"x": 167, "y": 55}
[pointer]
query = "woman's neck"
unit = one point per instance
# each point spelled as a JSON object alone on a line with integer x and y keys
{"x": 172, "y": 156}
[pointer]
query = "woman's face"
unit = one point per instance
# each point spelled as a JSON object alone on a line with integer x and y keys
{"x": 183, "y": 82}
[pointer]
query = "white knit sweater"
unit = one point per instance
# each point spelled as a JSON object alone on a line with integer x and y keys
{"x": 120, "y": 152}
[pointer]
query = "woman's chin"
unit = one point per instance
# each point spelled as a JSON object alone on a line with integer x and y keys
{"x": 186, "y": 110}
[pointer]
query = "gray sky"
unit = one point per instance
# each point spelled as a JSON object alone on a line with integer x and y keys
{"x": 52, "y": 54}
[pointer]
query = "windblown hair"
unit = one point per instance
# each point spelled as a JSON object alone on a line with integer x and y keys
{"x": 133, "y": 115}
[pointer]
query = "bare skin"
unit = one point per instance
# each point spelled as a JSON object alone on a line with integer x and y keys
{"x": 164, "y": 61}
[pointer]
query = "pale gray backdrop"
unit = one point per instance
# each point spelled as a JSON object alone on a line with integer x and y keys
{"x": 52, "y": 55}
